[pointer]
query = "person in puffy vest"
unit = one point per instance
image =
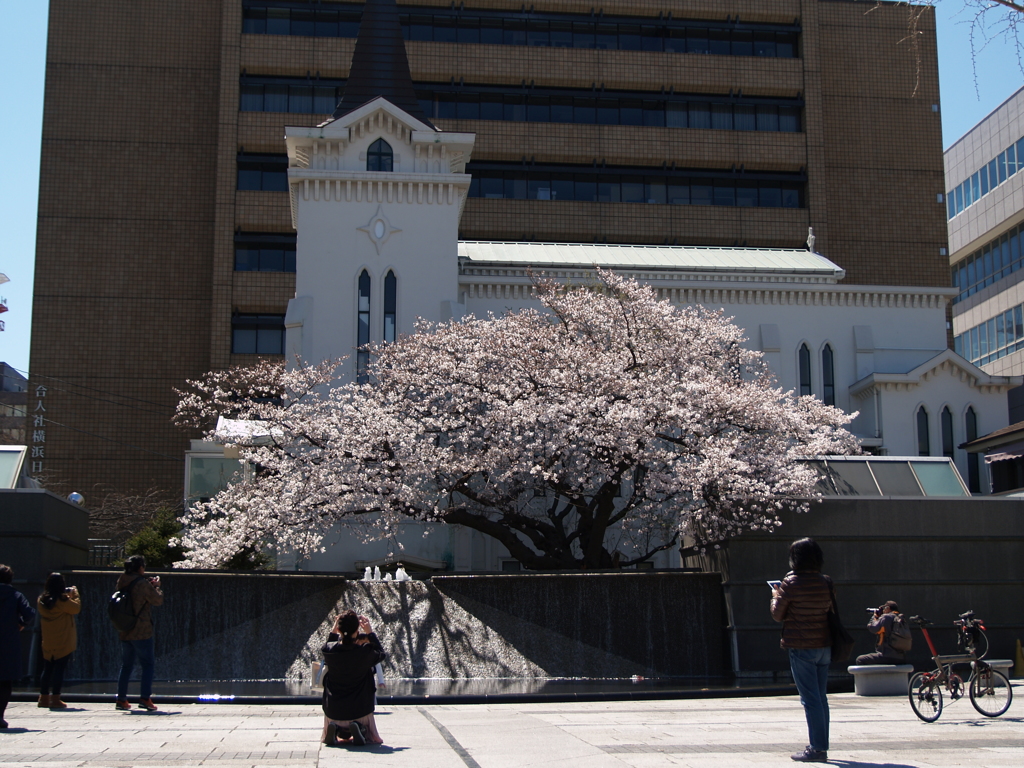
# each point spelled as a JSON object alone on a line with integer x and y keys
{"x": 801, "y": 601}
{"x": 882, "y": 624}
{"x": 57, "y": 606}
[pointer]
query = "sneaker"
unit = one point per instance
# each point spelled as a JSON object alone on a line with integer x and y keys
{"x": 811, "y": 756}
{"x": 358, "y": 733}
{"x": 122, "y": 704}
{"x": 147, "y": 704}
{"x": 331, "y": 739}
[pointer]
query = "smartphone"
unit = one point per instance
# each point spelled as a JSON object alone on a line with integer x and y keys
{"x": 774, "y": 584}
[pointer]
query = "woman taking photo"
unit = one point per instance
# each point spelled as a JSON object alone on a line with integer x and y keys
{"x": 801, "y": 602}
{"x": 351, "y": 652}
{"x": 58, "y": 606}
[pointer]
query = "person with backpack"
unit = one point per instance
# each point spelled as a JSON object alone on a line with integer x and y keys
{"x": 137, "y": 636}
{"x": 893, "y": 636}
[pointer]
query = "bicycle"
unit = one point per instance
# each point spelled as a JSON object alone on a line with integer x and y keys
{"x": 989, "y": 690}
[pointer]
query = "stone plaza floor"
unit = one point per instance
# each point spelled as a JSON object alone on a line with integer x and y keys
{"x": 719, "y": 732}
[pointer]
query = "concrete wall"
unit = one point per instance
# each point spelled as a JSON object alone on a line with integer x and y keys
{"x": 935, "y": 557}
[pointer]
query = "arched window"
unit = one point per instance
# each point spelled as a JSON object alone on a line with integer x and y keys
{"x": 804, "y": 359}
{"x": 390, "y": 305}
{"x": 363, "y": 328}
{"x": 828, "y": 376}
{"x": 923, "y": 439}
{"x": 379, "y": 157}
{"x": 973, "y": 461}
{"x": 946, "y": 418}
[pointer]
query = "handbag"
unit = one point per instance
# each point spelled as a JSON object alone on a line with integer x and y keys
{"x": 842, "y": 641}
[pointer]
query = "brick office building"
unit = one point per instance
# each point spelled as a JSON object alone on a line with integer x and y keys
{"x": 165, "y": 244}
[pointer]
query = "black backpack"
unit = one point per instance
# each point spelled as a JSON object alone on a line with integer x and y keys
{"x": 120, "y": 611}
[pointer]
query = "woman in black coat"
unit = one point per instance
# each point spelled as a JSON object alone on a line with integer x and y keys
{"x": 15, "y": 615}
{"x": 351, "y": 652}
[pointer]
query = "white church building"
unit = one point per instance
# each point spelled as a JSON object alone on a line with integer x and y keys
{"x": 376, "y": 197}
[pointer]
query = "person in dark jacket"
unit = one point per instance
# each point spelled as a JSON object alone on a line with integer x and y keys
{"x": 881, "y": 625}
{"x": 801, "y": 602}
{"x": 351, "y": 652}
{"x": 138, "y": 642}
{"x": 15, "y": 615}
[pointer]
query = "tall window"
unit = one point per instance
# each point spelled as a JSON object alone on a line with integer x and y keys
{"x": 379, "y": 157}
{"x": 828, "y": 376}
{"x": 804, "y": 359}
{"x": 390, "y": 305}
{"x": 363, "y": 332}
{"x": 923, "y": 439}
{"x": 946, "y": 417}
{"x": 973, "y": 461}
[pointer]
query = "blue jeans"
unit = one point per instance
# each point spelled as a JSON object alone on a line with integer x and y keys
{"x": 130, "y": 649}
{"x": 810, "y": 673}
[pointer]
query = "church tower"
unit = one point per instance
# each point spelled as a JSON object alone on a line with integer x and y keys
{"x": 376, "y": 197}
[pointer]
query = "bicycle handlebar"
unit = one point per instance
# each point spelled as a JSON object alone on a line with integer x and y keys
{"x": 921, "y": 621}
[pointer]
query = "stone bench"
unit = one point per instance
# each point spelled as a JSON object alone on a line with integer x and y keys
{"x": 881, "y": 679}
{"x": 1002, "y": 665}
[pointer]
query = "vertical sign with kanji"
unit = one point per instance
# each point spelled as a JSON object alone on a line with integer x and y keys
{"x": 39, "y": 431}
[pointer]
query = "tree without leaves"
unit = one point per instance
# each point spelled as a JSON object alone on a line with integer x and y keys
{"x": 987, "y": 20}
{"x": 613, "y": 415}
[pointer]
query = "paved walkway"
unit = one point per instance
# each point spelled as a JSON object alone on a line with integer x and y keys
{"x": 647, "y": 734}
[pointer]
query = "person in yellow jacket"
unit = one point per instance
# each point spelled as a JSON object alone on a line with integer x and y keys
{"x": 58, "y": 606}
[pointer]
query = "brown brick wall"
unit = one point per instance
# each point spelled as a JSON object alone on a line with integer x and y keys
{"x": 138, "y": 206}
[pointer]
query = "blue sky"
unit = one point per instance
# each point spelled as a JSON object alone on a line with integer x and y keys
{"x": 22, "y": 60}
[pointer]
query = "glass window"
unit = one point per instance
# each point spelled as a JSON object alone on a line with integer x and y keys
{"x": 379, "y": 156}
{"x": 629, "y": 37}
{"x": 363, "y": 327}
{"x": 894, "y": 478}
{"x": 300, "y": 99}
{"x": 700, "y": 114}
{"x": 251, "y": 98}
{"x": 959, "y": 198}
{"x": 562, "y": 189}
{"x": 697, "y": 40}
{"x": 746, "y": 195}
{"x": 701, "y": 193}
{"x": 993, "y": 175}
{"x": 468, "y": 30}
{"x": 742, "y": 43}
{"x": 1017, "y": 153}
{"x": 946, "y": 417}
{"x": 538, "y": 109}
{"x": 721, "y": 117}
{"x": 923, "y": 440}
{"x": 654, "y": 113}
{"x": 257, "y": 334}
{"x": 678, "y": 194}
{"x": 561, "y": 34}
{"x": 468, "y": 107}
{"x": 1001, "y": 166}
{"x": 938, "y": 478}
{"x": 632, "y": 189}
{"x": 275, "y": 97}
{"x": 973, "y": 460}
{"x": 745, "y": 117}
{"x": 676, "y": 114}
{"x": 725, "y": 194}
{"x": 789, "y": 119}
{"x": 828, "y": 377}
{"x": 853, "y": 478}
{"x": 764, "y": 44}
{"x": 769, "y": 197}
{"x": 631, "y": 112}
{"x": 583, "y": 35}
{"x": 607, "y": 37}
{"x": 984, "y": 181}
{"x": 390, "y": 305}
{"x": 325, "y": 99}
{"x": 585, "y": 111}
{"x": 804, "y": 365}
{"x": 585, "y": 189}
{"x": 278, "y": 21}
{"x": 719, "y": 42}
{"x": 537, "y": 34}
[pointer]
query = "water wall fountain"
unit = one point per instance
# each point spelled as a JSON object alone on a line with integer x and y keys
{"x": 225, "y": 626}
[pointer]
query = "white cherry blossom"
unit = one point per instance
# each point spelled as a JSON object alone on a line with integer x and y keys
{"x": 592, "y": 434}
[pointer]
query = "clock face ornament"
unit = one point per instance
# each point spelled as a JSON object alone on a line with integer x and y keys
{"x": 378, "y": 229}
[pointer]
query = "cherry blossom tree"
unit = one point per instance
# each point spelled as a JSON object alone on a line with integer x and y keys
{"x": 609, "y": 421}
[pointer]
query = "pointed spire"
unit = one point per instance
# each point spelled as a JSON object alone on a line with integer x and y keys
{"x": 380, "y": 66}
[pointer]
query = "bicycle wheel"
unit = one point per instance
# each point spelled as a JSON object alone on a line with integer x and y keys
{"x": 991, "y": 693}
{"x": 925, "y": 696}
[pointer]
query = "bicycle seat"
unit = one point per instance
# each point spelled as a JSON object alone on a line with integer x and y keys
{"x": 920, "y": 621}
